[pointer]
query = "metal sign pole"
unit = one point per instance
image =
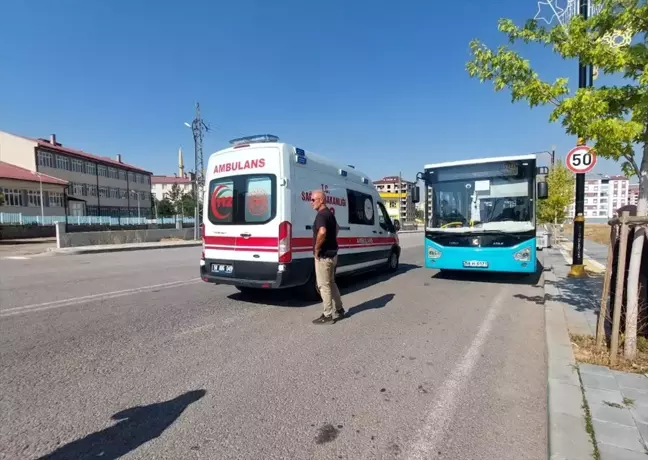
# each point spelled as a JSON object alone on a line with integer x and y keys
{"x": 577, "y": 268}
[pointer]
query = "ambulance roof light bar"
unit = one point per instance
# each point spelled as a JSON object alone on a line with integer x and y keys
{"x": 257, "y": 138}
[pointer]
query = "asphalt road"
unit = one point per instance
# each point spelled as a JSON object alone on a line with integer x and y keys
{"x": 130, "y": 354}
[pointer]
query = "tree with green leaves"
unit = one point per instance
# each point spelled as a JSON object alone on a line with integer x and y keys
{"x": 175, "y": 197}
{"x": 613, "y": 119}
{"x": 165, "y": 208}
{"x": 560, "y": 182}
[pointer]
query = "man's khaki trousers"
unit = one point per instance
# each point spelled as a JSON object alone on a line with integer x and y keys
{"x": 325, "y": 276}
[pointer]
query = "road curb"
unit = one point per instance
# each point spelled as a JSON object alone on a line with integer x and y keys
{"x": 567, "y": 427}
{"x": 120, "y": 248}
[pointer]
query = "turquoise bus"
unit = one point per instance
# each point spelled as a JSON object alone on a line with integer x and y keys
{"x": 480, "y": 215}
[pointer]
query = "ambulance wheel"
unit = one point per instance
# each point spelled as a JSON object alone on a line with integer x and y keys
{"x": 392, "y": 262}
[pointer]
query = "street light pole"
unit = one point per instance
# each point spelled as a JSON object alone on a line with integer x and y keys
{"x": 577, "y": 268}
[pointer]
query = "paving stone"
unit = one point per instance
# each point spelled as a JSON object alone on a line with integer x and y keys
{"x": 643, "y": 431}
{"x": 594, "y": 369}
{"x": 634, "y": 381}
{"x": 565, "y": 398}
{"x": 639, "y": 412}
{"x": 600, "y": 381}
{"x": 606, "y": 413}
{"x": 616, "y": 453}
{"x": 596, "y": 396}
{"x": 638, "y": 396}
{"x": 568, "y": 439}
{"x": 618, "y": 435}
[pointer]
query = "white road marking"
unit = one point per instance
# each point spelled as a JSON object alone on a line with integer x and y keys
{"x": 430, "y": 436}
{"x": 565, "y": 255}
{"x": 16, "y": 258}
{"x": 91, "y": 298}
{"x": 195, "y": 329}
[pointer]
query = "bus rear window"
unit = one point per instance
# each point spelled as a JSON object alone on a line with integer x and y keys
{"x": 242, "y": 200}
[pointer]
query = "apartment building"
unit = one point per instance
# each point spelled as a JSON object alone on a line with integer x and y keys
{"x": 633, "y": 194}
{"x": 395, "y": 192}
{"x": 162, "y": 185}
{"x": 98, "y": 186}
{"x": 603, "y": 196}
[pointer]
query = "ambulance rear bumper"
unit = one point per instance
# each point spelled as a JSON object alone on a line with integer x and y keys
{"x": 267, "y": 275}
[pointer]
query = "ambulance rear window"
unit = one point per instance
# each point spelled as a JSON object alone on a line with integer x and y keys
{"x": 242, "y": 200}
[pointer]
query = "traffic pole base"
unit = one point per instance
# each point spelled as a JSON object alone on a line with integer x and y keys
{"x": 577, "y": 271}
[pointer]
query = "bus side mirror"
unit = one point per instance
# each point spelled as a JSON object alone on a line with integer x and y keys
{"x": 416, "y": 194}
{"x": 543, "y": 191}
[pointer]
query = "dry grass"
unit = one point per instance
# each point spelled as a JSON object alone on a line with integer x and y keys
{"x": 170, "y": 239}
{"x": 585, "y": 351}
{"x": 599, "y": 233}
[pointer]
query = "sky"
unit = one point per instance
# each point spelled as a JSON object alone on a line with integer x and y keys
{"x": 381, "y": 85}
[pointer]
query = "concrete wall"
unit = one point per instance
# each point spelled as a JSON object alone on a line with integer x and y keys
{"x": 17, "y": 151}
{"x": 68, "y": 240}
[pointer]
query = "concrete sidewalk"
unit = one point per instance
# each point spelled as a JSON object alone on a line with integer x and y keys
{"x": 615, "y": 404}
{"x": 123, "y": 247}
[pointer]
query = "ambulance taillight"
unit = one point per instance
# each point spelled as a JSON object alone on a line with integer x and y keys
{"x": 285, "y": 242}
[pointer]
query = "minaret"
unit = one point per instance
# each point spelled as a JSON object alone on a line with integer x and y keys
{"x": 180, "y": 163}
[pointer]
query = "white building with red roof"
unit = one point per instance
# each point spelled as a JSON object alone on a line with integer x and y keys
{"x": 97, "y": 186}
{"x": 30, "y": 193}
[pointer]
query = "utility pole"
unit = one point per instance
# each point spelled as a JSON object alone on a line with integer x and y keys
{"x": 553, "y": 155}
{"x": 585, "y": 80}
{"x": 198, "y": 128}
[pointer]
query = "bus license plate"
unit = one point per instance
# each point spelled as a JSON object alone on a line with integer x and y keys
{"x": 222, "y": 268}
{"x": 475, "y": 263}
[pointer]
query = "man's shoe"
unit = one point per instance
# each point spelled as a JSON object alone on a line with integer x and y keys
{"x": 323, "y": 319}
{"x": 339, "y": 314}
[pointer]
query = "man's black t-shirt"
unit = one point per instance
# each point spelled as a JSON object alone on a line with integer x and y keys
{"x": 326, "y": 219}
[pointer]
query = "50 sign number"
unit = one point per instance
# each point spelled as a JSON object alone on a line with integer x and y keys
{"x": 581, "y": 159}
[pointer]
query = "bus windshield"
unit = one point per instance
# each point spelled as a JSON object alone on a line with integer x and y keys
{"x": 495, "y": 196}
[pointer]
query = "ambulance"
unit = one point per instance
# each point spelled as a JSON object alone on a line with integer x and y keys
{"x": 257, "y": 219}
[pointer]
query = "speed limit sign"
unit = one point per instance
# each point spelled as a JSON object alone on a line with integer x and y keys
{"x": 581, "y": 159}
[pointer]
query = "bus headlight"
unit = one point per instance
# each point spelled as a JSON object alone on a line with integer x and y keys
{"x": 433, "y": 253}
{"x": 523, "y": 256}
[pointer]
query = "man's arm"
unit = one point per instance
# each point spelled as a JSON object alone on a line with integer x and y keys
{"x": 319, "y": 239}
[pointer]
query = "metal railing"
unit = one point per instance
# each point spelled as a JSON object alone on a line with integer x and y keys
{"x": 7, "y": 218}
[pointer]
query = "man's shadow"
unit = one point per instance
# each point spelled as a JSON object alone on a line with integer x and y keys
{"x": 136, "y": 426}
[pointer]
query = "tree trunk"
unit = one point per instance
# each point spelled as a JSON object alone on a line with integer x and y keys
{"x": 630, "y": 346}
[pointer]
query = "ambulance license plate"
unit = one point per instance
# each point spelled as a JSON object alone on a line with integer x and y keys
{"x": 222, "y": 269}
{"x": 475, "y": 263}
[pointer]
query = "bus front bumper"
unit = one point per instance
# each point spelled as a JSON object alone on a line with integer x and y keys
{"x": 520, "y": 258}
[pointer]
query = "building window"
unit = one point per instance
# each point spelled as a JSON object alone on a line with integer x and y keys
{"x": 33, "y": 198}
{"x": 75, "y": 189}
{"x": 103, "y": 172}
{"x": 77, "y": 166}
{"x": 112, "y": 173}
{"x": 122, "y": 194}
{"x": 92, "y": 191}
{"x": 103, "y": 192}
{"x": 56, "y": 199}
{"x": 13, "y": 197}
{"x": 46, "y": 159}
{"x": 122, "y": 174}
{"x": 131, "y": 176}
{"x": 91, "y": 168}
{"x": 62, "y": 162}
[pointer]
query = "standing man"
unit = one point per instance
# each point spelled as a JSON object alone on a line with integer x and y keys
{"x": 325, "y": 248}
